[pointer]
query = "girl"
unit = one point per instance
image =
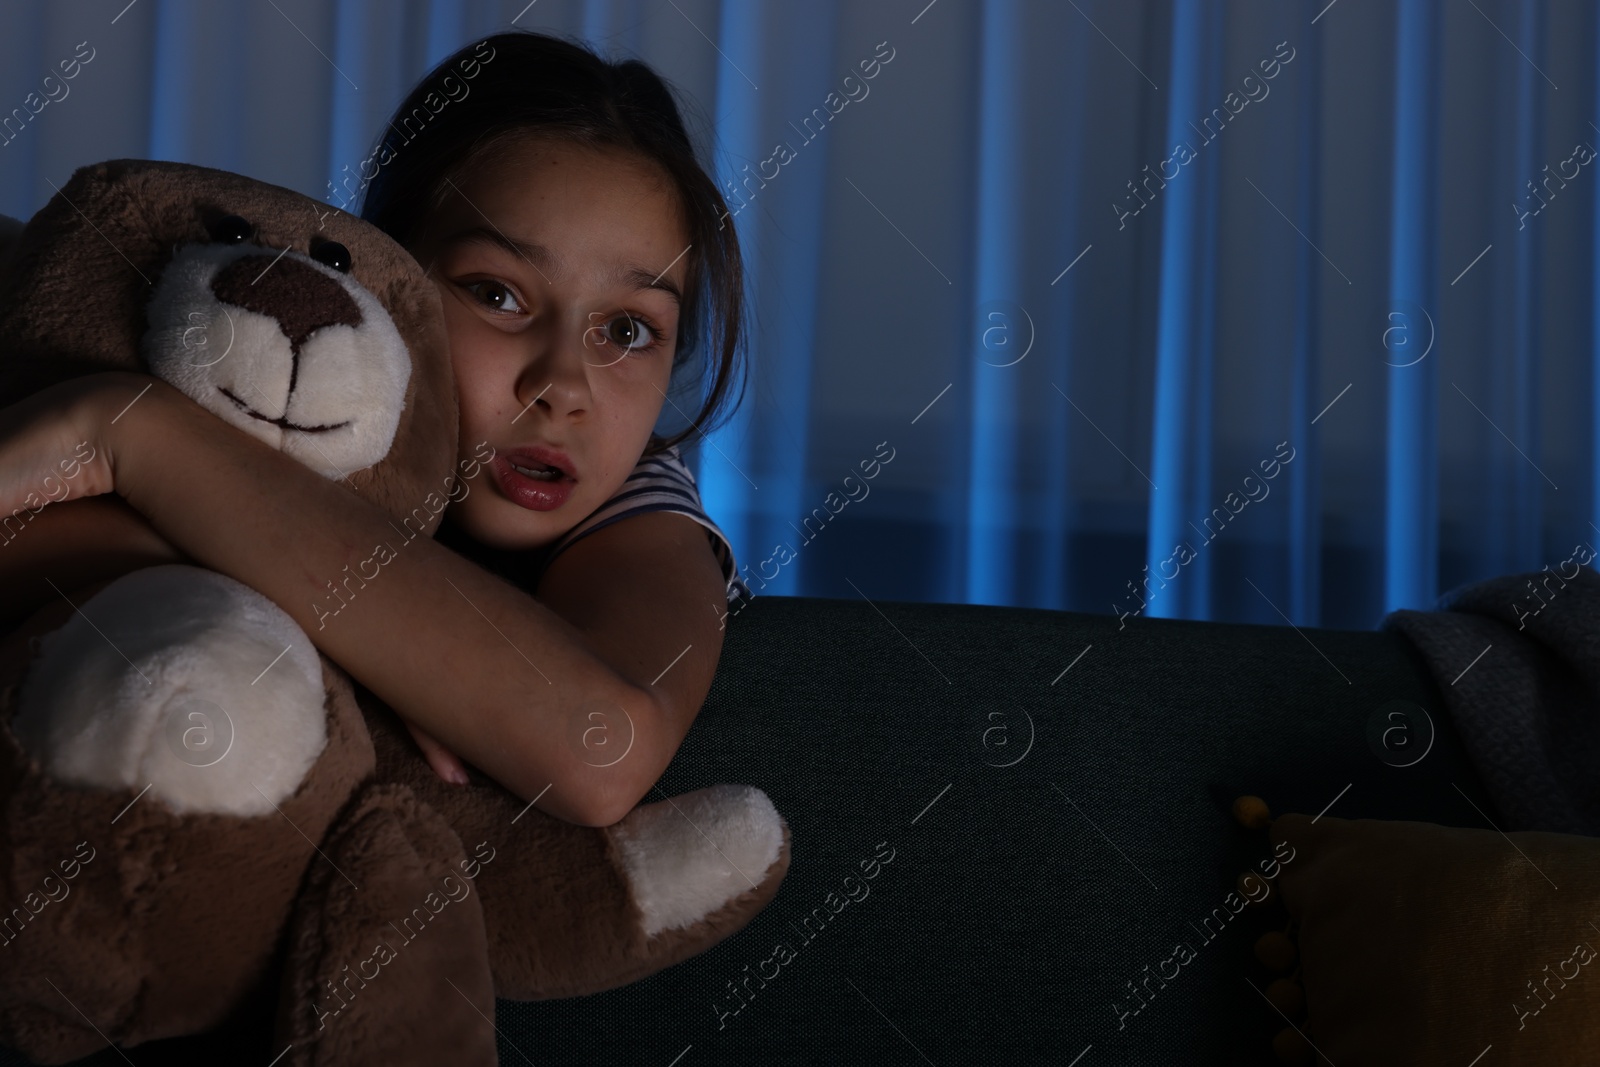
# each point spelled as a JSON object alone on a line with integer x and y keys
{"x": 563, "y": 631}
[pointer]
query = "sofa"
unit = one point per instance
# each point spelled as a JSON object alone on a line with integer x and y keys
{"x": 1001, "y": 819}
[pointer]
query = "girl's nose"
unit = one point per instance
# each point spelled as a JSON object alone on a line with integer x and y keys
{"x": 555, "y": 379}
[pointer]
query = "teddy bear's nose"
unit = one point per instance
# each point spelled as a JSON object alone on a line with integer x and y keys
{"x": 299, "y": 296}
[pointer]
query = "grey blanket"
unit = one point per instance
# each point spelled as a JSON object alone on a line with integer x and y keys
{"x": 1518, "y": 660}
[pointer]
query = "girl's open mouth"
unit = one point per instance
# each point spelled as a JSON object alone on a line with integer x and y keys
{"x": 532, "y": 485}
{"x": 540, "y": 473}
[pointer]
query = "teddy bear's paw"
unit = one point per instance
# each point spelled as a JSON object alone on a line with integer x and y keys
{"x": 181, "y": 680}
{"x": 687, "y": 857}
{"x": 387, "y": 959}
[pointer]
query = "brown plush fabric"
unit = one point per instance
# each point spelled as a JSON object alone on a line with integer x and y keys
{"x": 1423, "y": 944}
{"x": 585, "y": 936}
{"x": 390, "y": 932}
{"x": 111, "y": 230}
{"x": 126, "y": 944}
{"x": 179, "y": 919}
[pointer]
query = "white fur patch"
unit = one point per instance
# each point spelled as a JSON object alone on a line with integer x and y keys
{"x": 158, "y": 679}
{"x": 687, "y": 857}
{"x": 350, "y": 375}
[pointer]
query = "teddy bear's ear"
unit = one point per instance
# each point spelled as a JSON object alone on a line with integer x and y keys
{"x": 74, "y": 285}
{"x": 133, "y": 258}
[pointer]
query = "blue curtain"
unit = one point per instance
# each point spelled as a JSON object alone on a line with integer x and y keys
{"x": 1257, "y": 311}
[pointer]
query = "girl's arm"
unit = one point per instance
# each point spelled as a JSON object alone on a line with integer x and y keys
{"x": 506, "y": 682}
{"x": 648, "y": 596}
{"x": 46, "y": 555}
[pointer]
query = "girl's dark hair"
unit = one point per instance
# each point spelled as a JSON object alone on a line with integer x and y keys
{"x": 522, "y": 83}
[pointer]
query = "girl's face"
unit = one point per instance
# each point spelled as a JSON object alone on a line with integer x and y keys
{"x": 561, "y": 269}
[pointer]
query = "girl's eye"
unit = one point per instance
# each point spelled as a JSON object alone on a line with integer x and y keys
{"x": 630, "y": 333}
{"x": 494, "y": 295}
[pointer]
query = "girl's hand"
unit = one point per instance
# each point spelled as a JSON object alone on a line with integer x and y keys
{"x": 445, "y": 764}
{"x": 53, "y": 443}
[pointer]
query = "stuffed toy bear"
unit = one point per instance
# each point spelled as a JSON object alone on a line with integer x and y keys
{"x": 197, "y": 809}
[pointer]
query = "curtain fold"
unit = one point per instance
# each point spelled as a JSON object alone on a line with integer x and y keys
{"x": 1523, "y": 487}
{"x": 1181, "y": 448}
{"x": 1304, "y": 527}
{"x": 995, "y": 496}
{"x": 1592, "y": 458}
{"x": 775, "y": 130}
{"x": 1084, "y": 344}
{"x": 1411, "y": 539}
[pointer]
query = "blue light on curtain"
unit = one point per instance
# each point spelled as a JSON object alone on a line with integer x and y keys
{"x": 993, "y": 496}
{"x": 1594, "y": 328}
{"x": 351, "y": 133}
{"x": 446, "y": 29}
{"x": 752, "y": 472}
{"x": 1181, "y": 465}
{"x": 613, "y": 23}
{"x": 1411, "y": 542}
{"x": 1050, "y": 580}
{"x": 172, "y": 117}
{"x": 25, "y": 186}
{"x": 726, "y": 489}
{"x": 1198, "y": 333}
{"x": 1305, "y": 497}
{"x": 1522, "y": 486}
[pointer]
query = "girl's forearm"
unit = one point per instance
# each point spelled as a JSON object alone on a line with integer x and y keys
{"x": 482, "y": 666}
{"x": 66, "y": 546}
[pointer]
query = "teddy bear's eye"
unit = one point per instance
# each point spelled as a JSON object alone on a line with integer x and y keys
{"x": 332, "y": 254}
{"x": 231, "y": 230}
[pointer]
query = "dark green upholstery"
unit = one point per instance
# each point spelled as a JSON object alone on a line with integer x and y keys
{"x": 1019, "y": 905}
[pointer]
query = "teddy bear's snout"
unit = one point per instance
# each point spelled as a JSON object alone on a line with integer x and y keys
{"x": 301, "y": 298}
{"x": 288, "y": 347}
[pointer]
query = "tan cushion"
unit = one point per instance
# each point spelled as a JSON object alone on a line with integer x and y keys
{"x": 1423, "y": 944}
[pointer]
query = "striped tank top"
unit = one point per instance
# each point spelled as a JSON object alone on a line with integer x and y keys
{"x": 659, "y": 483}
